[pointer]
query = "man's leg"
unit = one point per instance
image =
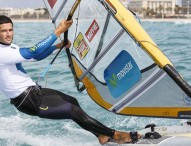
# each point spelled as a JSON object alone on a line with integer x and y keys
{"x": 53, "y": 104}
{"x": 102, "y": 132}
{"x": 62, "y": 106}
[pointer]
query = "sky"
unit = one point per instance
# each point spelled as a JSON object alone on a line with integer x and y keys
{"x": 22, "y": 3}
{"x": 27, "y": 3}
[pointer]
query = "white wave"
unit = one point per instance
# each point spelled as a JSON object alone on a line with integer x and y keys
{"x": 14, "y": 131}
{"x": 180, "y": 22}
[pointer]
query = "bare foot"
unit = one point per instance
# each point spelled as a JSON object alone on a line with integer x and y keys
{"x": 103, "y": 139}
{"x": 122, "y": 137}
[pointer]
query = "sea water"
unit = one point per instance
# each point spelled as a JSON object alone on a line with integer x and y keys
{"x": 18, "y": 129}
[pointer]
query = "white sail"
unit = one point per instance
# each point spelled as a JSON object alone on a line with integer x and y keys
{"x": 120, "y": 66}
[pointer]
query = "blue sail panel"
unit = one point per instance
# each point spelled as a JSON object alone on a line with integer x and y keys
{"x": 122, "y": 74}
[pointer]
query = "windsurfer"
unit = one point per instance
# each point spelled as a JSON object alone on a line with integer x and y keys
{"x": 30, "y": 98}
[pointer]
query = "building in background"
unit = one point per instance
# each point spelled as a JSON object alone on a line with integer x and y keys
{"x": 125, "y": 2}
{"x": 156, "y": 8}
{"x": 186, "y": 7}
{"x": 135, "y": 5}
{"x": 143, "y": 8}
{"x": 28, "y": 13}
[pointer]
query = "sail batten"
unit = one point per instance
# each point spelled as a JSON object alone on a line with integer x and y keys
{"x": 103, "y": 34}
{"x": 59, "y": 11}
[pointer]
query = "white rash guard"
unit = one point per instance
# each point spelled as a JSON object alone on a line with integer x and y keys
{"x": 13, "y": 78}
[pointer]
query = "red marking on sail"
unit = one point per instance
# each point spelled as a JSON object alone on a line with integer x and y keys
{"x": 93, "y": 29}
{"x": 52, "y": 3}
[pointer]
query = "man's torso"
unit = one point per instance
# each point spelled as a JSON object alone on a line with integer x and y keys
{"x": 13, "y": 79}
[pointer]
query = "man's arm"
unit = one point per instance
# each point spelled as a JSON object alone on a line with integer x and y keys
{"x": 9, "y": 56}
{"x": 45, "y": 48}
{"x": 51, "y": 49}
{"x": 42, "y": 47}
{"x": 62, "y": 27}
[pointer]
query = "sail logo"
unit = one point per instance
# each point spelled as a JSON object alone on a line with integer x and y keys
{"x": 81, "y": 46}
{"x": 113, "y": 80}
{"x": 125, "y": 70}
{"x": 91, "y": 32}
{"x": 121, "y": 74}
{"x": 52, "y": 3}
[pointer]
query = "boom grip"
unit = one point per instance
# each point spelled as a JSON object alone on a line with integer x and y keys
{"x": 72, "y": 11}
{"x": 178, "y": 79}
{"x": 66, "y": 33}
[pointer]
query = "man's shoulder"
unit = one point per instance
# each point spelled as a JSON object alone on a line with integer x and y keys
{"x": 14, "y": 46}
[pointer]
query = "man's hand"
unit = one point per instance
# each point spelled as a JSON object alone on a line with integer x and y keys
{"x": 62, "y": 27}
{"x": 60, "y": 45}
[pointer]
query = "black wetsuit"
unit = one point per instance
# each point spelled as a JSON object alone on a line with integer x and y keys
{"x": 52, "y": 104}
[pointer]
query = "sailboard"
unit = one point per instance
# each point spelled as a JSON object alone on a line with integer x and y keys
{"x": 162, "y": 136}
{"x": 118, "y": 64}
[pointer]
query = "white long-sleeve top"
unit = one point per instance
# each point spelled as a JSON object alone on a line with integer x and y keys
{"x": 13, "y": 78}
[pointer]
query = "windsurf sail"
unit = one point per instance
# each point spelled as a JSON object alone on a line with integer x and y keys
{"x": 119, "y": 65}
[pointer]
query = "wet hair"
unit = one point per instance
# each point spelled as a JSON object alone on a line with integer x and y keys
{"x": 4, "y": 19}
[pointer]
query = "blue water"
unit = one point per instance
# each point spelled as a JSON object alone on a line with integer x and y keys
{"x": 17, "y": 129}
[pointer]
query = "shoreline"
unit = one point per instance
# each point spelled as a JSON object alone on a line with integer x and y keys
{"x": 143, "y": 20}
{"x": 32, "y": 20}
{"x": 167, "y": 20}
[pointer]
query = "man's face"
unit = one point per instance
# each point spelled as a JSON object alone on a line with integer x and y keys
{"x": 6, "y": 33}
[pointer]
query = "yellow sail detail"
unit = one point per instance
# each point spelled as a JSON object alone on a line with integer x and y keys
{"x": 91, "y": 89}
{"x": 126, "y": 18}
